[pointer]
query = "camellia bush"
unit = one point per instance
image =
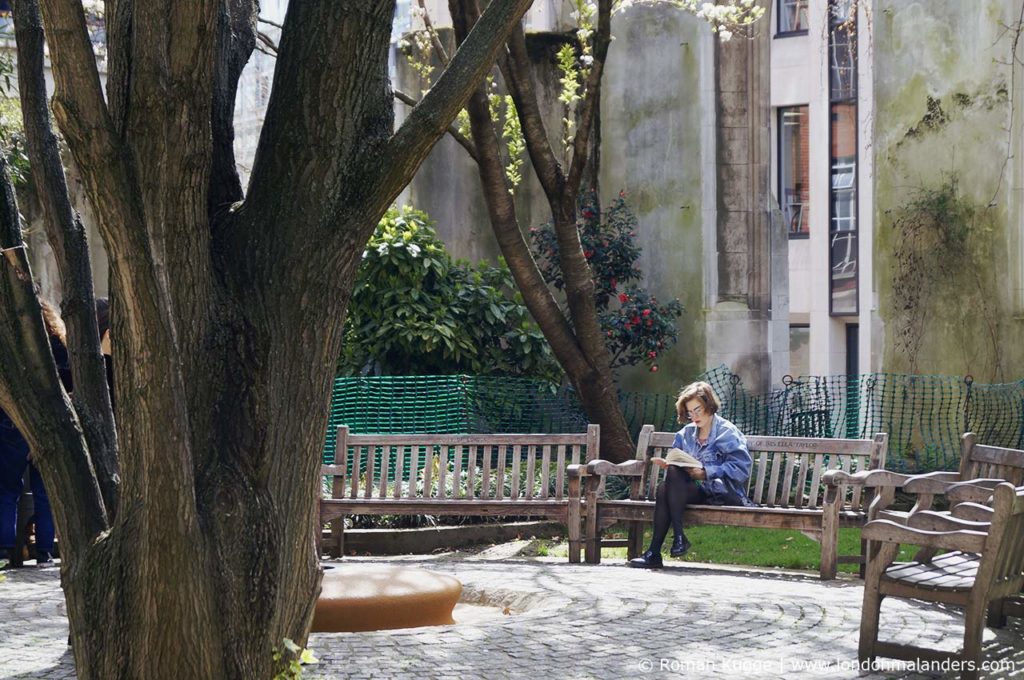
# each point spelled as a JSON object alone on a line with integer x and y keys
{"x": 637, "y": 326}
{"x": 416, "y": 311}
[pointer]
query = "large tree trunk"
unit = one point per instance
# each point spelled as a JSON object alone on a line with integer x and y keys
{"x": 192, "y": 553}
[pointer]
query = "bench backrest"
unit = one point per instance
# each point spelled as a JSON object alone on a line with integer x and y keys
{"x": 978, "y": 461}
{"x": 457, "y": 466}
{"x": 786, "y": 471}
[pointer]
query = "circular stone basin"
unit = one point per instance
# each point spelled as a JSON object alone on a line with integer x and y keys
{"x": 356, "y": 597}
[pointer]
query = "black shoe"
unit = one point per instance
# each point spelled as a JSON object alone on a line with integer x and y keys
{"x": 649, "y": 560}
{"x": 680, "y": 546}
{"x": 44, "y": 559}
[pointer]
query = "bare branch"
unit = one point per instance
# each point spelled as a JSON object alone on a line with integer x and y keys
{"x": 266, "y": 42}
{"x": 263, "y": 20}
{"x": 453, "y": 131}
{"x": 431, "y": 117}
{"x": 592, "y": 97}
{"x": 70, "y": 245}
{"x": 435, "y": 40}
{"x": 515, "y": 67}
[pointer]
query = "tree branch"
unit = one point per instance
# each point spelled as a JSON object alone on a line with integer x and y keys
{"x": 442, "y": 54}
{"x": 502, "y": 211}
{"x": 68, "y": 238}
{"x": 430, "y": 119}
{"x": 31, "y": 392}
{"x": 236, "y": 38}
{"x": 516, "y": 69}
{"x": 592, "y": 97}
{"x": 453, "y": 131}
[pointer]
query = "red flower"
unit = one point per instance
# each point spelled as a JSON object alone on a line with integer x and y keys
{"x": 636, "y": 320}
{"x": 650, "y": 322}
{"x": 647, "y": 312}
{"x": 651, "y": 355}
{"x": 654, "y": 369}
{"x": 623, "y": 298}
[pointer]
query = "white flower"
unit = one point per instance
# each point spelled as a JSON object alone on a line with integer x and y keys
{"x": 382, "y": 249}
{"x": 365, "y": 254}
{"x": 414, "y": 249}
{"x": 725, "y": 35}
{"x": 587, "y": 60}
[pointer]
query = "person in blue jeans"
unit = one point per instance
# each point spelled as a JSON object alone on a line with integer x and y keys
{"x": 722, "y": 480}
{"x": 14, "y": 459}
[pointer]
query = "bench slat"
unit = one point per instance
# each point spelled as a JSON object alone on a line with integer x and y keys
{"x": 816, "y": 481}
{"x": 428, "y": 473}
{"x": 517, "y": 459}
{"x": 385, "y": 465}
{"x": 762, "y": 467}
{"x": 499, "y": 484}
{"x": 545, "y": 471}
{"x": 531, "y": 462}
{"x": 773, "y": 481}
{"x": 787, "y": 480}
{"x": 371, "y": 460}
{"x": 485, "y": 476}
{"x": 457, "y": 474}
{"x": 442, "y": 471}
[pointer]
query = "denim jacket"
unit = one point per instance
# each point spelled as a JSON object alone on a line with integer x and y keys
{"x": 726, "y": 460}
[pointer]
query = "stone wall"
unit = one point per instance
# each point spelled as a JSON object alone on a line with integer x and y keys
{"x": 947, "y": 141}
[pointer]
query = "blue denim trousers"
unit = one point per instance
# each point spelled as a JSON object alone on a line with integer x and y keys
{"x": 13, "y": 461}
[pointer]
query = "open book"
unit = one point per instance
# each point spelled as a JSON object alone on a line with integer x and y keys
{"x": 681, "y": 458}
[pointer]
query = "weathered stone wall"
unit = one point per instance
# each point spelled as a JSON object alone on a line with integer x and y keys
{"x": 947, "y": 187}
{"x": 658, "y": 140}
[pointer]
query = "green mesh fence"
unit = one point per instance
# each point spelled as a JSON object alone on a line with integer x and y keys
{"x": 924, "y": 415}
{"x": 450, "y": 404}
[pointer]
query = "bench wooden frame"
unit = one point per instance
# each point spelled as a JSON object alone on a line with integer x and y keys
{"x": 523, "y": 460}
{"x": 786, "y": 481}
{"x": 983, "y": 566}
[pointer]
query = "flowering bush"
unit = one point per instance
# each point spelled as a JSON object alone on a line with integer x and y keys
{"x": 637, "y": 327}
{"x": 415, "y": 311}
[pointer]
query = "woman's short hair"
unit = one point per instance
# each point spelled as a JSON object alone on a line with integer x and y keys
{"x": 702, "y": 392}
{"x": 54, "y": 324}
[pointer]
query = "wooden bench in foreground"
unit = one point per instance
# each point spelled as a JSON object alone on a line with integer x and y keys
{"x": 480, "y": 475}
{"x": 786, "y": 482}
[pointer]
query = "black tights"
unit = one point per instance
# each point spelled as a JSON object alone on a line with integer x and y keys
{"x": 674, "y": 493}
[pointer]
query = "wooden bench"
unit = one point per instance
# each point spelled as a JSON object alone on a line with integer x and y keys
{"x": 479, "y": 475}
{"x": 967, "y": 492}
{"x": 974, "y": 565}
{"x": 786, "y": 482}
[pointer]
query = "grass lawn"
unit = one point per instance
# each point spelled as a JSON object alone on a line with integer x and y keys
{"x": 744, "y": 546}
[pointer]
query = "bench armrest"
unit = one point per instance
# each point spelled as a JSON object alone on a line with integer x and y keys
{"x": 887, "y": 531}
{"x": 974, "y": 512}
{"x": 602, "y": 468}
{"x": 930, "y": 520}
{"x": 864, "y": 478}
{"x": 932, "y": 483}
{"x": 973, "y": 491}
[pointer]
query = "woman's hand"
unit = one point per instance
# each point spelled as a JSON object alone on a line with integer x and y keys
{"x": 660, "y": 462}
{"x": 697, "y": 473}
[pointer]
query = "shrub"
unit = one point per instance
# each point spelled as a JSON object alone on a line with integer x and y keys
{"x": 416, "y": 311}
{"x": 637, "y": 327}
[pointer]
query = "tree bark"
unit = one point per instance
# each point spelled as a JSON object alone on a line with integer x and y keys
{"x": 577, "y": 341}
{"x": 227, "y": 311}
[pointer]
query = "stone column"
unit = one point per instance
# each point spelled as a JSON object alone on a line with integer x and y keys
{"x": 748, "y": 302}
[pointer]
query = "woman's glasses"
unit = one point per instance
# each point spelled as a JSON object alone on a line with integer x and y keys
{"x": 699, "y": 411}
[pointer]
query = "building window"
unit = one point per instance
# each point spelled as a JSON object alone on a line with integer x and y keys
{"x": 842, "y": 46}
{"x": 793, "y": 170}
{"x": 799, "y": 350}
{"x": 792, "y": 16}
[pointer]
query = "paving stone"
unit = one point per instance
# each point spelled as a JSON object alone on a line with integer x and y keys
{"x": 577, "y": 621}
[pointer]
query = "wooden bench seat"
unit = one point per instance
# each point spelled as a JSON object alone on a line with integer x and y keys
{"x": 787, "y": 483}
{"x": 471, "y": 475}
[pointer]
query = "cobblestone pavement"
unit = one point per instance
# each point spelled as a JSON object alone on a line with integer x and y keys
{"x": 575, "y": 621}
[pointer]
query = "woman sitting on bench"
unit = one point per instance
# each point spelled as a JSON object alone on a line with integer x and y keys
{"x": 714, "y": 473}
